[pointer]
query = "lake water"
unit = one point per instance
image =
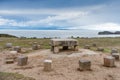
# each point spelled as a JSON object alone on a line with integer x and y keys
{"x": 55, "y": 33}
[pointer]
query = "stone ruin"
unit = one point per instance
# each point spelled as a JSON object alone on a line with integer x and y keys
{"x": 47, "y": 65}
{"x": 109, "y": 61}
{"x": 84, "y": 65}
{"x": 10, "y": 57}
{"x": 17, "y": 48}
{"x": 22, "y": 60}
{"x": 64, "y": 43}
{"x": 8, "y": 45}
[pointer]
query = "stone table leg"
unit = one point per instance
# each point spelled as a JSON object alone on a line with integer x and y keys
{"x": 76, "y": 48}
{"x": 56, "y": 49}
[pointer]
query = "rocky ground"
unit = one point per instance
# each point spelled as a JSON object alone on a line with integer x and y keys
{"x": 65, "y": 66}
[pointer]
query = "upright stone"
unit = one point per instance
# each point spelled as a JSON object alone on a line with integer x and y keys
{"x": 84, "y": 65}
{"x": 8, "y": 45}
{"x": 87, "y": 46}
{"x": 94, "y": 45}
{"x": 76, "y": 48}
{"x": 109, "y": 61}
{"x": 114, "y": 51}
{"x": 17, "y": 48}
{"x": 116, "y": 56}
{"x": 35, "y": 47}
{"x": 22, "y": 60}
{"x": 47, "y": 65}
{"x": 100, "y": 49}
{"x": 56, "y": 49}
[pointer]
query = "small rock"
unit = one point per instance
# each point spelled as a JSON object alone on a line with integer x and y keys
{"x": 8, "y": 45}
{"x": 87, "y": 46}
{"x": 100, "y": 49}
{"x": 114, "y": 51}
{"x": 116, "y": 56}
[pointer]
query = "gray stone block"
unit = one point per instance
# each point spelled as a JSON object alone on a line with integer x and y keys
{"x": 47, "y": 65}
{"x": 22, "y": 60}
{"x": 109, "y": 61}
{"x": 100, "y": 49}
{"x": 87, "y": 46}
{"x": 8, "y": 45}
{"x": 114, "y": 51}
{"x": 84, "y": 64}
{"x": 17, "y": 48}
{"x": 116, "y": 56}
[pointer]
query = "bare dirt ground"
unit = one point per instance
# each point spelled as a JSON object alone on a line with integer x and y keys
{"x": 65, "y": 65}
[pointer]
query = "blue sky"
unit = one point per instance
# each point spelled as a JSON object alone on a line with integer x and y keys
{"x": 59, "y": 14}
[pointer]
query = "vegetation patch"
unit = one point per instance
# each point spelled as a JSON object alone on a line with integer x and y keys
{"x": 13, "y": 76}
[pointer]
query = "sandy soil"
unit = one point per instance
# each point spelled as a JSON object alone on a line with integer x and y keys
{"x": 65, "y": 66}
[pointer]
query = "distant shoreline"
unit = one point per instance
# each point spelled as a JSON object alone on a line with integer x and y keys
{"x": 109, "y": 33}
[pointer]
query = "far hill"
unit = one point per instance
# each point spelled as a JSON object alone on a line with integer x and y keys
{"x": 108, "y": 32}
{"x": 7, "y": 35}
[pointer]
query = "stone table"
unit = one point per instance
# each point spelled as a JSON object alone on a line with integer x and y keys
{"x": 64, "y": 43}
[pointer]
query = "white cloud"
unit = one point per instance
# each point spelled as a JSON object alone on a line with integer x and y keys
{"x": 10, "y": 22}
{"x": 104, "y": 26}
{"x": 93, "y": 17}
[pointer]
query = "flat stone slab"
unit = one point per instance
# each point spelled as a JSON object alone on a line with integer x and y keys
{"x": 64, "y": 42}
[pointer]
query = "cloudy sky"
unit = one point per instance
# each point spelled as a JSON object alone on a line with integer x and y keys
{"x": 60, "y": 14}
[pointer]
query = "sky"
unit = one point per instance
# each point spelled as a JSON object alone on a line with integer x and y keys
{"x": 59, "y": 14}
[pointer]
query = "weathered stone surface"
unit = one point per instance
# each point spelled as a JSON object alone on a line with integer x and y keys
{"x": 65, "y": 43}
{"x": 84, "y": 65}
{"x": 76, "y": 48}
{"x": 56, "y": 49}
{"x": 9, "y": 61}
{"x": 94, "y": 44}
{"x": 114, "y": 51}
{"x": 116, "y": 56}
{"x": 11, "y": 55}
{"x": 22, "y": 60}
{"x": 47, "y": 65}
{"x": 87, "y": 46}
{"x": 17, "y": 48}
{"x": 109, "y": 61}
{"x": 8, "y": 45}
{"x": 100, "y": 49}
{"x": 35, "y": 47}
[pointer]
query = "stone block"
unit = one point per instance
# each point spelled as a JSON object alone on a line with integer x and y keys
{"x": 109, "y": 61}
{"x": 56, "y": 49}
{"x": 84, "y": 65}
{"x": 116, "y": 56}
{"x": 8, "y": 45}
{"x": 76, "y": 48}
{"x": 100, "y": 49}
{"x": 114, "y": 51}
{"x": 35, "y": 47}
{"x": 87, "y": 46}
{"x": 22, "y": 60}
{"x": 9, "y": 61}
{"x": 17, "y": 48}
{"x": 47, "y": 65}
{"x": 94, "y": 44}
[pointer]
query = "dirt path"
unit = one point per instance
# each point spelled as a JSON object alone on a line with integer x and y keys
{"x": 65, "y": 66}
